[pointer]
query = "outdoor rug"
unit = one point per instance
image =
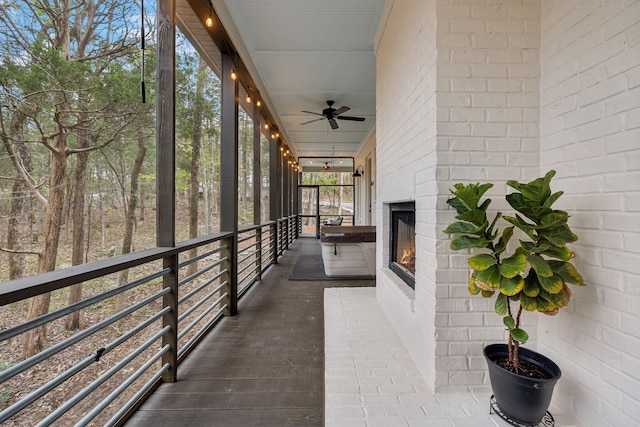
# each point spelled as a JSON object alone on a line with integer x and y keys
{"x": 311, "y": 268}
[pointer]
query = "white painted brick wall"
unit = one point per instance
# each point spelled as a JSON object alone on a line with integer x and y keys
{"x": 406, "y": 167}
{"x": 590, "y": 101}
{"x": 495, "y": 90}
{"x": 489, "y": 134}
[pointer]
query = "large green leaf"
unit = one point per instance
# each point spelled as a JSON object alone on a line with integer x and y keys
{"x": 563, "y": 253}
{"x": 509, "y": 322}
{"x": 559, "y": 236}
{"x": 537, "y": 190}
{"x": 519, "y": 335}
{"x": 482, "y": 261}
{"x": 553, "y": 219}
{"x": 522, "y": 225}
{"x": 473, "y": 288}
{"x": 514, "y": 265}
{"x": 500, "y": 247}
{"x": 531, "y": 285}
{"x": 470, "y": 194}
{"x": 474, "y": 216}
{"x": 511, "y": 286}
{"x": 539, "y": 264}
{"x": 545, "y": 306}
{"x": 463, "y": 228}
{"x": 556, "y": 299}
{"x": 489, "y": 279}
{"x": 535, "y": 248}
{"x": 528, "y": 303}
{"x": 488, "y": 294}
{"x": 468, "y": 242}
{"x": 552, "y": 284}
{"x": 567, "y": 272}
{"x": 552, "y": 198}
{"x": 501, "y": 304}
{"x": 456, "y": 204}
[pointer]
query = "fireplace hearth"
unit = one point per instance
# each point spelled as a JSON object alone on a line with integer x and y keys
{"x": 402, "y": 241}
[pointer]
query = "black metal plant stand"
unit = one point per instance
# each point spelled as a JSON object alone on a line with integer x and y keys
{"x": 547, "y": 420}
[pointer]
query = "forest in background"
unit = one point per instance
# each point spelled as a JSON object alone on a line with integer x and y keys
{"x": 77, "y": 160}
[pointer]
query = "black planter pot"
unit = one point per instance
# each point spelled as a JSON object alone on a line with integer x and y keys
{"x": 523, "y": 399}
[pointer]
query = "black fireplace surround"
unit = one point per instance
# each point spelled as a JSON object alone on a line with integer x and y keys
{"x": 402, "y": 241}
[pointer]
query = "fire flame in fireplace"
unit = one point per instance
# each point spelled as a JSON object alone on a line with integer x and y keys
{"x": 408, "y": 258}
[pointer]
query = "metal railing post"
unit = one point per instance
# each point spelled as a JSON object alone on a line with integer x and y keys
{"x": 259, "y": 252}
{"x": 170, "y": 318}
{"x": 276, "y": 244}
{"x": 231, "y": 277}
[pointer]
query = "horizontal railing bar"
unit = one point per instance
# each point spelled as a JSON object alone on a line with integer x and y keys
{"x": 198, "y": 273}
{"x": 136, "y": 397}
{"x": 187, "y": 346}
{"x": 27, "y": 287}
{"x": 245, "y": 238}
{"x": 56, "y": 348}
{"x": 249, "y": 274}
{"x": 200, "y": 302}
{"x": 252, "y": 254}
{"x": 202, "y": 315}
{"x": 49, "y": 317}
{"x": 44, "y": 389}
{"x": 244, "y": 268}
{"x": 201, "y": 241}
{"x": 202, "y": 286}
{"x": 253, "y": 245}
{"x": 257, "y": 226}
{"x": 115, "y": 393}
{"x": 201, "y": 256}
{"x": 60, "y": 410}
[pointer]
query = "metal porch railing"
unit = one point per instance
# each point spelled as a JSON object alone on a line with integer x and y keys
{"x": 142, "y": 313}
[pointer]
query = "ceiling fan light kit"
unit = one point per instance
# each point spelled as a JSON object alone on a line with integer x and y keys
{"x": 331, "y": 114}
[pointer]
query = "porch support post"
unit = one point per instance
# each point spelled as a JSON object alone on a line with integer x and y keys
{"x": 229, "y": 174}
{"x": 257, "y": 186}
{"x": 274, "y": 193}
{"x": 257, "y": 169}
{"x": 286, "y": 198}
{"x": 165, "y": 174}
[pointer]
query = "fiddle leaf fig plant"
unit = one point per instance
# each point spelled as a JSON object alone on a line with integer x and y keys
{"x": 536, "y": 273}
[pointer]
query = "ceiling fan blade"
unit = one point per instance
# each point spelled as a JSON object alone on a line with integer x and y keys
{"x": 354, "y": 119}
{"x": 340, "y": 111}
{"x": 333, "y": 123}
{"x": 311, "y": 112}
{"x": 311, "y": 121}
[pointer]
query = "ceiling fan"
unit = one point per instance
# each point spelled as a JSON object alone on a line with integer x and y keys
{"x": 332, "y": 114}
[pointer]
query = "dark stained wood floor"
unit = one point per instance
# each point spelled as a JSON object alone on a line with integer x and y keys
{"x": 263, "y": 367}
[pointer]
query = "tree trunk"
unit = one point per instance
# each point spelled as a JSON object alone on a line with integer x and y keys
{"x": 130, "y": 221}
{"x": 194, "y": 182}
{"x": 35, "y": 339}
{"x": 77, "y": 254}
{"x": 19, "y": 196}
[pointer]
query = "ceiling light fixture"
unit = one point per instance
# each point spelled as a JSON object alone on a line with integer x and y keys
{"x": 234, "y": 76}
